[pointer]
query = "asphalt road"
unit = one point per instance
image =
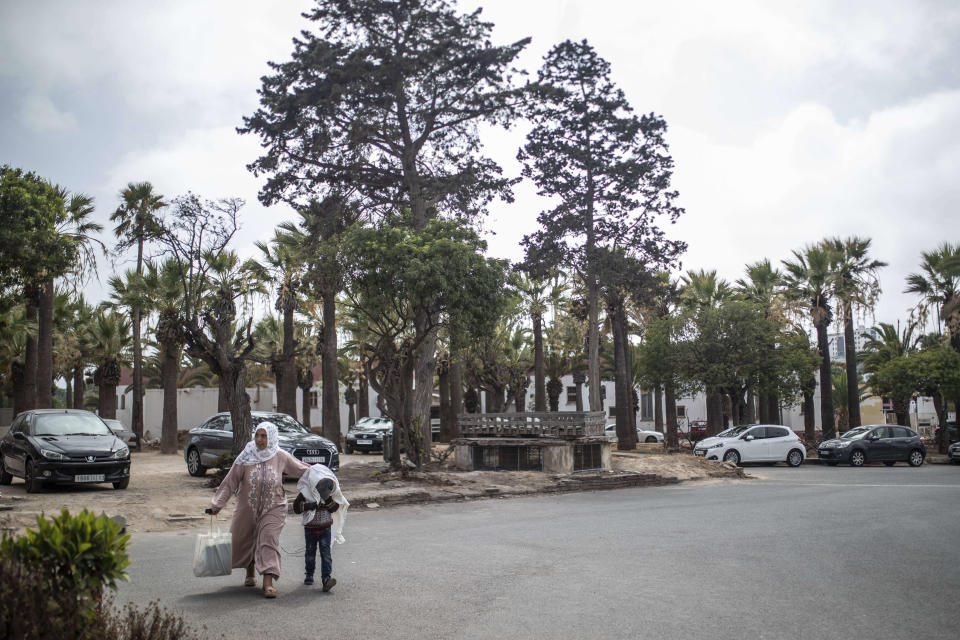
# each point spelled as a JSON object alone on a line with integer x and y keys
{"x": 813, "y": 552}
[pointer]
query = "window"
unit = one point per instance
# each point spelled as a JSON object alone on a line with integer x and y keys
{"x": 219, "y": 423}
{"x": 314, "y": 399}
{"x": 123, "y": 401}
{"x": 758, "y": 433}
{"x": 681, "y": 411}
{"x": 777, "y": 432}
{"x": 901, "y": 432}
{"x": 613, "y": 412}
{"x": 571, "y": 395}
{"x": 586, "y": 457}
{"x": 646, "y": 406}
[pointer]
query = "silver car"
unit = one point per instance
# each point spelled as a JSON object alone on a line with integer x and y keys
{"x": 128, "y": 437}
{"x": 643, "y": 435}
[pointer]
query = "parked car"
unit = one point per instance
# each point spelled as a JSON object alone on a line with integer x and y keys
{"x": 753, "y": 443}
{"x": 643, "y": 435}
{"x": 62, "y": 446}
{"x": 214, "y": 438}
{"x": 698, "y": 430}
{"x": 951, "y": 432}
{"x": 953, "y": 453}
{"x": 128, "y": 437}
{"x": 367, "y": 435}
{"x": 874, "y": 443}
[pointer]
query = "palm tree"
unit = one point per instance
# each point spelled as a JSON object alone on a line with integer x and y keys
{"x": 165, "y": 297}
{"x": 808, "y": 281}
{"x": 14, "y": 329}
{"x": 109, "y": 342}
{"x": 75, "y": 231}
{"x": 536, "y": 294}
{"x": 855, "y": 284}
{"x": 136, "y": 224}
{"x": 281, "y": 264}
{"x": 938, "y": 285}
{"x": 762, "y": 286}
{"x": 883, "y": 344}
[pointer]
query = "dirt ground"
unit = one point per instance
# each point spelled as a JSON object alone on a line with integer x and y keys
{"x": 162, "y": 496}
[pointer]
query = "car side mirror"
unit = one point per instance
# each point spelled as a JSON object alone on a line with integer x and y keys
{"x": 748, "y": 438}
{"x": 873, "y": 436}
{"x": 19, "y": 435}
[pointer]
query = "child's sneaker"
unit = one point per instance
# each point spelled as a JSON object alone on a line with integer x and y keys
{"x": 308, "y": 580}
{"x": 329, "y": 584}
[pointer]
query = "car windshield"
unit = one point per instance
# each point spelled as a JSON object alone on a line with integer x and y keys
{"x": 115, "y": 425}
{"x": 285, "y": 424}
{"x": 727, "y": 432}
{"x": 734, "y": 431}
{"x": 70, "y": 424}
{"x": 855, "y": 433}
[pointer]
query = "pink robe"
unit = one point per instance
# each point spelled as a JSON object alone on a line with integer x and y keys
{"x": 260, "y": 511}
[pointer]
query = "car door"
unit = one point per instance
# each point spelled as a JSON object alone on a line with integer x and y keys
{"x": 901, "y": 443}
{"x": 13, "y": 446}
{"x": 879, "y": 445}
{"x": 217, "y": 439}
{"x": 778, "y": 442}
{"x": 753, "y": 445}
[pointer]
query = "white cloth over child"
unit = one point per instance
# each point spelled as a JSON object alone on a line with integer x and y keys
{"x": 308, "y": 489}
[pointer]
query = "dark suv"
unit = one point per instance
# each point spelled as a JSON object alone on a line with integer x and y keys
{"x": 214, "y": 438}
{"x": 884, "y": 443}
{"x": 367, "y": 435}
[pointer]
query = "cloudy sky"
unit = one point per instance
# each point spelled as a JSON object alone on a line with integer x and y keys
{"x": 788, "y": 121}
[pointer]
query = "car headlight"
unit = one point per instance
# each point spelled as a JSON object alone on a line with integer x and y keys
{"x": 50, "y": 454}
{"x": 844, "y": 443}
{"x": 120, "y": 453}
{"x": 716, "y": 446}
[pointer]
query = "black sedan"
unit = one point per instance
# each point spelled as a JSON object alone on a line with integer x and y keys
{"x": 367, "y": 435}
{"x": 214, "y": 438}
{"x": 888, "y": 444}
{"x": 62, "y": 446}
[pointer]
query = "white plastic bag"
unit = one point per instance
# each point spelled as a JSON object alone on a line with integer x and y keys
{"x": 213, "y": 553}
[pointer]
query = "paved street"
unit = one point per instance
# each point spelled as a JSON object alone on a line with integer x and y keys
{"x": 814, "y": 552}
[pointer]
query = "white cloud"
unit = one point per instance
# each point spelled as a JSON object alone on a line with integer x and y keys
{"x": 40, "y": 114}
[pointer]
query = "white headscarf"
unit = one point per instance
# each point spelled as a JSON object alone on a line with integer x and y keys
{"x": 251, "y": 455}
{"x": 307, "y": 484}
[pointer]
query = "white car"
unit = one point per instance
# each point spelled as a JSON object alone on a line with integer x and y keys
{"x": 643, "y": 435}
{"x": 754, "y": 443}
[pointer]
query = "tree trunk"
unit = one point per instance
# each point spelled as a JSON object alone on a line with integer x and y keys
{"x": 68, "y": 393}
{"x": 351, "y": 414}
{"x": 363, "y": 397}
{"x": 671, "y": 415}
{"x": 901, "y": 409}
{"x": 30, "y": 357}
{"x": 943, "y": 439}
{"x": 239, "y": 402}
{"x": 658, "y": 408}
{"x": 539, "y": 366}
{"x": 223, "y": 397}
{"x": 45, "y": 346}
{"x": 826, "y": 384}
{"x": 78, "y": 387}
{"x": 456, "y": 398}
{"x": 773, "y": 408}
{"x": 593, "y": 346}
{"x": 626, "y": 432}
{"x": 107, "y": 402}
{"x": 751, "y": 415}
{"x": 330, "y": 418}
{"x": 714, "y": 413}
{"x": 578, "y": 379}
{"x": 305, "y": 407}
{"x": 18, "y": 375}
{"x": 136, "y": 418}
{"x": 169, "y": 371}
{"x": 426, "y": 367}
{"x": 763, "y": 415}
{"x": 287, "y": 367}
{"x": 853, "y": 380}
{"x": 809, "y": 412}
{"x": 446, "y": 419}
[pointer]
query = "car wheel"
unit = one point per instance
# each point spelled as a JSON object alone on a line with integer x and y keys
{"x": 916, "y": 458}
{"x": 731, "y": 456}
{"x": 122, "y": 484}
{"x": 5, "y": 478}
{"x": 348, "y": 449}
{"x": 889, "y": 463}
{"x": 194, "y": 467}
{"x": 794, "y": 458}
{"x": 29, "y": 479}
{"x": 650, "y": 439}
{"x": 857, "y": 458}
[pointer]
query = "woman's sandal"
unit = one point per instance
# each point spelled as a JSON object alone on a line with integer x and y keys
{"x": 269, "y": 592}
{"x": 250, "y": 581}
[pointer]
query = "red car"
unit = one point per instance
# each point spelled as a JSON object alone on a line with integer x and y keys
{"x": 698, "y": 430}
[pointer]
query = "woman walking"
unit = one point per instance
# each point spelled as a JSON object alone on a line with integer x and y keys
{"x": 256, "y": 478}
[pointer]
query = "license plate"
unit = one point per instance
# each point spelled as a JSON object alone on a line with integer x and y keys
{"x": 698, "y": 453}
{"x": 89, "y": 477}
{"x": 314, "y": 459}
{"x": 364, "y": 441}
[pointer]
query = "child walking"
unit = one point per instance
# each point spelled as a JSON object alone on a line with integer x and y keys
{"x": 324, "y": 510}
